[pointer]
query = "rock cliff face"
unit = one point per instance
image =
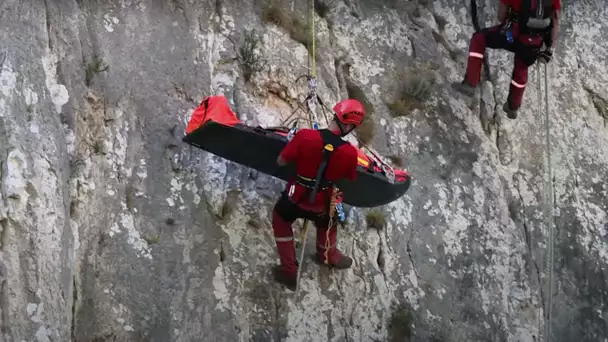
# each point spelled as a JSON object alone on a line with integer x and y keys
{"x": 111, "y": 229}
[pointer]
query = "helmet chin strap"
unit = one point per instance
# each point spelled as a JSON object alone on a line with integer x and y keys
{"x": 341, "y": 127}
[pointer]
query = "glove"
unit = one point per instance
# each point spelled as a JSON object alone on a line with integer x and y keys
{"x": 545, "y": 56}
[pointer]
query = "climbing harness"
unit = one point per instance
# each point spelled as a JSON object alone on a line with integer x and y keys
{"x": 537, "y": 20}
{"x": 529, "y": 21}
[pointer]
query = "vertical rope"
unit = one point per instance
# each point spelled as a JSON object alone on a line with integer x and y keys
{"x": 539, "y": 77}
{"x": 540, "y": 121}
{"x": 549, "y": 214}
{"x": 311, "y": 105}
{"x": 313, "y": 35}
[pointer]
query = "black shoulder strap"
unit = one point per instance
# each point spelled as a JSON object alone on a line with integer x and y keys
{"x": 526, "y": 7}
{"x": 538, "y": 11}
{"x": 540, "y": 8}
{"x": 330, "y": 143}
{"x": 331, "y": 138}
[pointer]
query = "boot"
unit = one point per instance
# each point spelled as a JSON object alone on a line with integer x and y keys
{"x": 465, "y": 88}
{"x": 283, "y": 236}
{"x": 287, "y": 272}
{"x": 288, "y": 279}
{"x": 327, "y": 250}
{"x": 511, "y": 113}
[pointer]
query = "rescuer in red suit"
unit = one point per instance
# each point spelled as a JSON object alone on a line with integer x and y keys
{"x": 525, "y": 26}
{"x": 307, "y": 150}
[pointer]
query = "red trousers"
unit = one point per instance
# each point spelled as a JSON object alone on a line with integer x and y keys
{"x": 285, "y": 212}
{"x": 525, "y": 47}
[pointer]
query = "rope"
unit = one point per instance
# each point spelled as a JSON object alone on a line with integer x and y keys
{"x": 312, "y": 88}
{"x": 549, "y": 205}
{"x": 312, "y": 51}
{"x": 539, "y": 121}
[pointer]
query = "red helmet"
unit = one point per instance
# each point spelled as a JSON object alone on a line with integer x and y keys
{"x": 349, "y": 111}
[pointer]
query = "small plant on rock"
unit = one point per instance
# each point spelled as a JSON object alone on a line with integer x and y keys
{"x": 321, "y": 8}
{"x": 412, "y": 94}
{"x": 272, "y": 13}
{"x": 365, "y": 131}
{"x": 298, "y": 30}
{"x": 152, "y": 240}
{"x": 250, "y": 58}
{"x": 601, "y": 105}
{"x": 375, "y": 219}
{"x": 400, "y": 325}
{"x": 248, "y": 53}
{"x": 396, "y": 160}
{"x": 95, "y": 66}
{"x": 230, "y": 204}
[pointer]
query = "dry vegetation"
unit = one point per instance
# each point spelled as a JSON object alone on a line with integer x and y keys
{"x": 94, "y": 67}
{"x": 400, "y": 325}
{"x": 375, "y": 219}
{"x": 415, "y": 89}
{"x": 397, "y": 160}
{"x": 321, "y": 8}
{"x": 250, "y": 58}
{"x": 365, "y": 132}
{"x": 298, "y": 29}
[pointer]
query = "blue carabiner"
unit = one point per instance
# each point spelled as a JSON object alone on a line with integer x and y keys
{"x": 509, "y": 36}
{"x": 340, "y": 211}
{"x": 291, "y": 133}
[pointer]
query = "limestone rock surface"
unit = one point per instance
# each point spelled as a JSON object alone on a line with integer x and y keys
{"x": 112, "y": 229}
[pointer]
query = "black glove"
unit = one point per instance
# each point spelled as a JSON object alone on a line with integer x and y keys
{"x": 545, "y": 56}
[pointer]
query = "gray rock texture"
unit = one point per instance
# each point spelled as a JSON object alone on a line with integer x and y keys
{"x": 112, "y": 229}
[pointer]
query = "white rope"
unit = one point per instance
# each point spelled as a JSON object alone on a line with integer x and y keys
{"x": 301, "y": 259}
{"x": 549, "y": 205}
{"x": 312, "y": 101}
{"x": 539, "y": 121}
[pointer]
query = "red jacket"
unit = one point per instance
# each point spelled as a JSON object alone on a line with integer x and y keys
{"x": 305, "y": 149}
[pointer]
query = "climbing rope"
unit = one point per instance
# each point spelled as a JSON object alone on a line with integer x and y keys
{"x": 548, "y": 202}
{"x": 312, "y": 61}
{"x": 312, "y": 65}
{"x": 312, "y": 100}
{"x": 549, "y": 207}
{"x": 540, "y": 121}
{"x": 312, "y": 97}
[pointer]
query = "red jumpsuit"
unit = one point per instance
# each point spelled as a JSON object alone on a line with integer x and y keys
{"x": 306, "y": 151}
{"x": 525, "y": 46}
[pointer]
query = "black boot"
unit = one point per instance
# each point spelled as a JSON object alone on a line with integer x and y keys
{"x": 281, "y": 277}
{"x": 511, "y": 113}
{"x": 465, "y": 88}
